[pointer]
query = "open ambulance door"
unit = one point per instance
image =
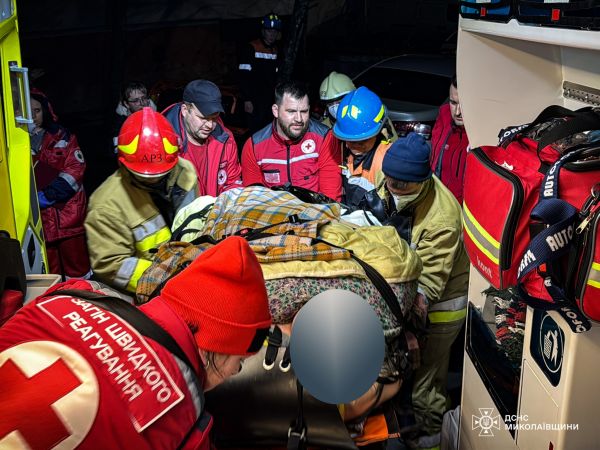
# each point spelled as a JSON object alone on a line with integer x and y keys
{"x": 19, "y": 210}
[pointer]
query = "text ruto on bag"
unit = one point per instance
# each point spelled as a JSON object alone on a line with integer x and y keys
{"x": 558, "y": 241}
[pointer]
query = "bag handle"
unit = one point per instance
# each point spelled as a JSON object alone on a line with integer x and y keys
{"x": 586, "y": 121}
{"x": 583, "y": 119}
{"x": 552, "y": 243}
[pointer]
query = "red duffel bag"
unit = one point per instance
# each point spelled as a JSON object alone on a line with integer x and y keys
{"x": 503, "y": 185}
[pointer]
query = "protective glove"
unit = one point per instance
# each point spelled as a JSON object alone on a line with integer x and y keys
{"x": 43, "y": 201}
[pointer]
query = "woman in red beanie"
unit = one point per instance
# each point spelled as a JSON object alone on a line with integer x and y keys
{"x": 76, "y": 374}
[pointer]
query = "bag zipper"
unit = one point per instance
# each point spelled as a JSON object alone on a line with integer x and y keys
{"x": 508, "y": 233}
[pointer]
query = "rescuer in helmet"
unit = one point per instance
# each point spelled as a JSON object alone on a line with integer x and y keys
{"x": 258, "y": 65}
{"x": 360, "y": 119}
{"x": 333, "y": 89}
{"x": 132, "y": 211}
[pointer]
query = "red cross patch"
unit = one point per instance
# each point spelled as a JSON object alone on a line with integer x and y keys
{"x": 221, "y": 177}
{"x": 49, "y": 396}
{"x": 308, "y": 146}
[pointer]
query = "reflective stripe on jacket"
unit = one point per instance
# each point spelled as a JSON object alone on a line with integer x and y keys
{"x": 448, "y": 310}
{"x": 60, "y": 152}
{"x": 437, "y": 234}
{"x": 123, "y": 224}
{"x": 258, "y": 71}
{"x": 311, "y": 162}
{"x": 359, "y": 180}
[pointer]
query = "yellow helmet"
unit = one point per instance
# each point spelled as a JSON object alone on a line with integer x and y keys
{"x": 336, "y": 85}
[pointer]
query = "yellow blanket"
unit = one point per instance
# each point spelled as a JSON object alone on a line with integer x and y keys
{"x": 381, "y": 247}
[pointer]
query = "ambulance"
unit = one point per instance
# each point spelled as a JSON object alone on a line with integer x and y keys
{"x": 19, "y": 210}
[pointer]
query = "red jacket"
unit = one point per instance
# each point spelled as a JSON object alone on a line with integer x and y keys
{"x": 74, "y": 374}
{"x": 450, "y": 142}
{"x": 222, "y": 171}
{"x": 311, "y": 162}
{"x": 59, "y": 168}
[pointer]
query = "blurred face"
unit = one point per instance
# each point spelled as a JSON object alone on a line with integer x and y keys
{"x": 269, "y": 36}
{"x": 137, "y": 100}
{"x": 361, "y": 147}
{"x": 221, "y": 368}
{"x": 455, "y": 109}
{"x": 292, "y": 117}
{"x": 197, "y": 126}
{"x": 38, "y": 113}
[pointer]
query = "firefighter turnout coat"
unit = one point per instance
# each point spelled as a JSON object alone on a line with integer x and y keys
{"x": 124, "y": 223}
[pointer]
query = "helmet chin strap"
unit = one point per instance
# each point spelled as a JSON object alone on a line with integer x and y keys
{"x": 150, "y": 181}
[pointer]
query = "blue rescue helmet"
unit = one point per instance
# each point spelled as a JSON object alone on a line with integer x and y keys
{"x": 360, "y": 116}
{"x": 271, "y": 22}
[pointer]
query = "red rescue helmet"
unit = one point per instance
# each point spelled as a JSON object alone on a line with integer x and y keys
{"x": 148, "y": 145}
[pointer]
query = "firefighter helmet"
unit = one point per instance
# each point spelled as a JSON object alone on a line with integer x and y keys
{"x": 336, "y": 85}
{"x": 360, "y": 116}
{"x": 147, "y": 144}
{"x": 271, "y": 22}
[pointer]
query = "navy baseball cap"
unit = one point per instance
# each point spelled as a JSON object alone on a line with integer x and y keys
{"x": 205, "y": 95}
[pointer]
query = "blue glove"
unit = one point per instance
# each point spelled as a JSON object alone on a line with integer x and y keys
{"x": 43, "y": 201}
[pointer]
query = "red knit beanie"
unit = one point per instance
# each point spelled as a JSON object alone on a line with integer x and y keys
{"x": 223, "y": 293}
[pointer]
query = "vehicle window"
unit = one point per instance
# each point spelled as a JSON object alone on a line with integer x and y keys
{"x": 405, "y": 85}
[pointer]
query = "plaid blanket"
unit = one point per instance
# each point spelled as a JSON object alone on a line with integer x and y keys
{"x": 292, "y": 223}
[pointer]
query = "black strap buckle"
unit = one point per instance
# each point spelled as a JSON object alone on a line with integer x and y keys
{"x": 296, "y": 438}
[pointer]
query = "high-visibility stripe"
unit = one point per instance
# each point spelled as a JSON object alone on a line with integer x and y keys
{"x": 130, "y": 272}
{"x": 489, "y": 246}
{"x": 358, "y": 181}
{"x": 140, "y": 268}
{"x": 70, "y": 179}
{"x": 154, "y": 240}
{"x": 261, "y": 55}
{"x": 149, "y": 227}
{"x": 379, "y": 116}
{"x": 169, "y": 148}
{"x": 247, "y": 67}
{"x": 190, "y": 381}
{"x": 594, "y": 279}
{"x": 292, "y": 160}
{"x": 454, "y": 304}
{"x": 447, "y": 316}
{"x": 131, "y": 147}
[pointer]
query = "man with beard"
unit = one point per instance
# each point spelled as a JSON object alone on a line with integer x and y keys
{"x": 205, "y": 141}
{"x": 293, "y": 148}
